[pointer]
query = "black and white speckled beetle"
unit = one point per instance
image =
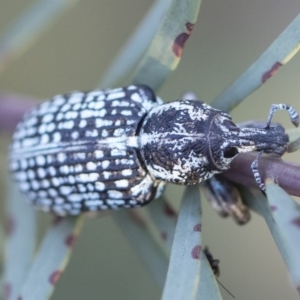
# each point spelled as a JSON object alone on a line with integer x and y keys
{"x": 117, "y": 148}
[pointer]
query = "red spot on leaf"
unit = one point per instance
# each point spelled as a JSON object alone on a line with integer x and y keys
{"x": 7, "y": 291}
{"x": 10, "y": 225}
{"x": 54, "y": 277}
{"x": 169, "y": 211}
{"x": 196, "y": 252}
{"x": 198, "y": 227}
{"x": 273, "y": 207}
{"x": 180, "y": 40}
{"x": 179, "y": 43}
{"x": 296, "y": 222}
{"x": 164, "y": 236}
{"x": 271, "y": 72}
{"x": 70, "y": 239}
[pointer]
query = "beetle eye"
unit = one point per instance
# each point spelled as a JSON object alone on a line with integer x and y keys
{"x": 230, "y": 152}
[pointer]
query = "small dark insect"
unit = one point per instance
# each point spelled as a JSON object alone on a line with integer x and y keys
{"x": 107, "y": 149}
{"x": 214, "y": 263}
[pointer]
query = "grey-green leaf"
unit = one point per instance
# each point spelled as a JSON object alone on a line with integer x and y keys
{"x": 166, "y": 48}
{"x": 184, "y": 269}
{"x": 51, "y": 258}
{"x": 279, "y": 53}
{"x": 20, "y": 240}
{"x": 135, "y": 45}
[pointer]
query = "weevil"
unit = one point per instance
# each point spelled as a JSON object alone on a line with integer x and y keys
{"x": 108, "y": 149}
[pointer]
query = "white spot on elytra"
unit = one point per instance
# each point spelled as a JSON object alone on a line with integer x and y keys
{"x": 44, "y": 139}
{"x": 71, "y": 115}
{"x": 82, "y": 123}
{"x": 99, "y": 104}
{"x": 47, "y": 118}
{"x": 119, "y": 132}
{"x": 61, "y": 157}
{"x": 52, "y": 171}
{"x": 89, "y": 177}
{"x": 75, "y": 98}
{"x": 58, "y": 100}
{"x": 66, "y": 107}
{"x": 68, "y": 124}
{"x": 75, "y": 197}
{"x": 59, "y": 116}
{"x": 80, "y": 155}
{"x": 91, "y": 166}
{"x": 65, "y": 190}
{"x": 23, "y": 164}
{"x": 87, "y": 113}
{"x": 126, "y": 172}
{"x": 75, "y": 135}
{"x": 99, "y": 186}
{"x": 41, "y": 172}
{"x": 76, "y": 106}
{"x": 78, "y": 168}
{"x": 117, "y": 95}
{"x": 126, "y": 113}
{"x": 136, "y": 97}
{"x": 24, "y": 186}
{"x": 105, "y": 164}
{"x": 91, "y": 133}
{"x": 35, "y": 185}
{"x": 123, "y": 183}
{"x": 42, "y": 129}
{"x": 56, "y": 137}
{"x": 117, "y": 152}
{"x": 45, "y": 183}
{"x": 99, "y": 154}
{"x": 104, "y": 133}
{"x": 102, "y": 122}
{"x": 31, "y": 174}
{"x": 40, "y": 160}
{"x": 64, "y": 169}
{"x": 115, "y": 194}
{"x": 106, "y": 174}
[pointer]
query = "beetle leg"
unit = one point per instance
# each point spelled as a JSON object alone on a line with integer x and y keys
{"x": 293, "y": 114}
{"x": 225, "y": 198}
{"x": 254, "y": 167}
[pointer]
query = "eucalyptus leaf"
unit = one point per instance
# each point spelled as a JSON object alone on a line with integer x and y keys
{"x": 183, "y": 277}
{"x": 286, "y": 213}
{"x": 208, "y": 288}
{"x": 166, "y": 47}
{"x": 20, "y": 241}
{"x": 164, "y": 220}
{"x": 278, "y": 203}
{"x": 135, "y": 45}
{"x": 279, "y": 53}
{"x": 51, "y": 258}
{"x": 136, "y": 230}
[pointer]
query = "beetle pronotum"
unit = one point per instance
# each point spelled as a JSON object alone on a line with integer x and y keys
{"x": 118, "y": 148}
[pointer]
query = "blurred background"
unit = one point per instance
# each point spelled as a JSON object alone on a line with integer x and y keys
{"x": 229, "y": 35}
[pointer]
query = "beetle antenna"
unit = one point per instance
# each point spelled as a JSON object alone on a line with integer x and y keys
{"x": 224, "y": 288}
{"x": 293, "y": 114}
{"x": 254, "y": 167}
